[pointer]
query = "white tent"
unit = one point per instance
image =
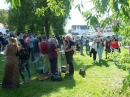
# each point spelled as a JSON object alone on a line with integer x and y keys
{"x": 2, "y": 28}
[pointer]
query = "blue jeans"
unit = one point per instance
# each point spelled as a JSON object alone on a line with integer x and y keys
{"x": 25, "y": 63}
{"x": 37, "y": 57}
{"x": 32, "y": 54}
{"x": 99, "y": 51}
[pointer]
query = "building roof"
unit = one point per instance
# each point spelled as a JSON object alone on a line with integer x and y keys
{"x": 75, "y": 33}
{"x": 81, "y": 27}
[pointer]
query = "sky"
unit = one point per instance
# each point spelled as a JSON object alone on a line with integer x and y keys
{"x": 76, "y": 17}
{"x": 4, "y": 5}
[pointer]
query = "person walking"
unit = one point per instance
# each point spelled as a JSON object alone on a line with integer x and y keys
{"x": 100, "y": 46}
{"x": 107, "y": 46}
{"x": 23, "y": 50}
{"x": 87, "y": 46}
{"x": 94, "y": 50}
{"x": 114, "y": 45}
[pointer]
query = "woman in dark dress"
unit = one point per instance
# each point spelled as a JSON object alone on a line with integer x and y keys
{"x": 11, "y": 73}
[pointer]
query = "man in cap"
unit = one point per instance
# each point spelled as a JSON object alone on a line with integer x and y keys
{"x": 44, "y": 51}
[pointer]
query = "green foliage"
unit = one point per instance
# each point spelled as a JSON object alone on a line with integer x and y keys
{"x": 126, "y": 84}
{"x": 26, "y": 18}
{"x": 126, "y": 41}
{"x": 23, "y": 18}
{"x": 79, "y": 6}
{"x": 120, "y": 11}
{"x": 124, "y": 61}
{"x": 3, "y": 16}
{"x": 14, "y": 3}
{"x": 91, "y": 19}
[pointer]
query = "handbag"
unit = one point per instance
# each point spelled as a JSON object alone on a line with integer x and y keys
{"x": 82, "y": 71}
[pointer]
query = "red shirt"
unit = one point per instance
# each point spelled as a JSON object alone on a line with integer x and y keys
{"x": 44, "y": 48}
{"x": 114, "y": 45}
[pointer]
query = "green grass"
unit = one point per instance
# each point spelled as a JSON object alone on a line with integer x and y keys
{"x": 101, "y": 80}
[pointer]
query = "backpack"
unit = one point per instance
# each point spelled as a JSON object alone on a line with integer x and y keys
{"x": 82, "y": 71}
{"x": 56, "y": 77}
{"x": 24, "y": 53}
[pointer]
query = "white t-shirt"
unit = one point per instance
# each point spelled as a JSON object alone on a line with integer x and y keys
{"x": 94, "y": 46}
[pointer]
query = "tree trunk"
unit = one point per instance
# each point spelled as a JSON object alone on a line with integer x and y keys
{"x": 47, "y": 27}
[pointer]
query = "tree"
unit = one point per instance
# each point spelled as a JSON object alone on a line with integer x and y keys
{"x": 55, "y": 13}
{"x": 119, "y": 8}
{"x": 23, "y": 18}
{"x": 47, "y": 14}
{"x": 3, "y": 16}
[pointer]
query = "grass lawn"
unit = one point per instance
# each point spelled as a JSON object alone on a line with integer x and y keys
{"x": 101, "y": 80}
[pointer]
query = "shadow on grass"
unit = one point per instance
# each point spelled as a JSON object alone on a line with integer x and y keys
{"x": 83, "y": 75}
{"x": 103, "y": 63}
{"x": 80, "y": 64}
{"x": 38, "y": 88}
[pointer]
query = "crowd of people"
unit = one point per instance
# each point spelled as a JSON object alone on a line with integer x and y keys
{"x": 97, "y": 47}
{"x": 25, "y": 48}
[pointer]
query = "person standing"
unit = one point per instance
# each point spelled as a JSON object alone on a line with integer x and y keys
{"x": 44, "y": 51}
{"x": 56, "y": 42}
{"x": 31, "y": 47}
{"x": 81, "y": 45}
{"x": 87, "y": 46}
{"x": 27, "y": 40}
{"x": 11, "y": 73}
{"x": 52, "y": 53}
{"x": 94, "y": 50}
{"x": 1, "y": 41}
{"x": 24, "y": 60}
{"x": 114, "y": 45}
{"x": 100, "y": 46}
{"x": 36, "y": 49}
{"x": 19, "y": 36}
{"x": 107, "y": 46}
{"x": 69, "y": 54}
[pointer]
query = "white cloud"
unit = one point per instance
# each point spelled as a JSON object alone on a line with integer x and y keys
{"x": 76, "y": 17}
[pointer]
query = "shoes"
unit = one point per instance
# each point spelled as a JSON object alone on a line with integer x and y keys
{"x": 22, "y": 83}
